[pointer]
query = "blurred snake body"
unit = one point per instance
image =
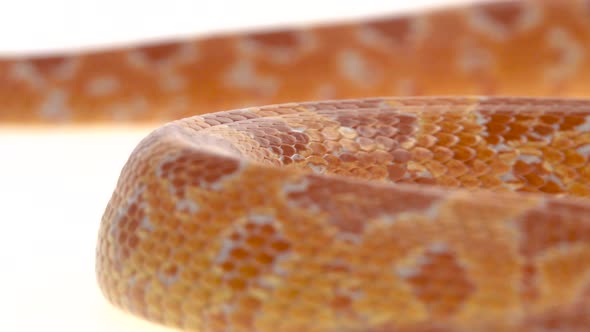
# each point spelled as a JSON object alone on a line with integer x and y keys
{"x": 334, "y": 209}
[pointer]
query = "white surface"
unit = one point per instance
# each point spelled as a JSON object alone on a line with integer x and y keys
{"x": 54, "y": 185}
{"x": 53, "y": 189}
{"x": 60, "y": 24}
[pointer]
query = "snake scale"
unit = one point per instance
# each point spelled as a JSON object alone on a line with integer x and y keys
{"x": 332, "y": 209}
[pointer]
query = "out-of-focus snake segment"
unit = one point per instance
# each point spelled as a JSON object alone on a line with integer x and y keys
{"x": 399, "y": 214}
{"x": 526, "y": 48}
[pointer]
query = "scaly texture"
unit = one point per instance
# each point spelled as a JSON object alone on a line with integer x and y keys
{"x": 375, "y": 221}
{"x": 383, "y": 214}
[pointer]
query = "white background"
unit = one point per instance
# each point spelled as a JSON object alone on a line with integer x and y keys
{"x": 55, "y": 183}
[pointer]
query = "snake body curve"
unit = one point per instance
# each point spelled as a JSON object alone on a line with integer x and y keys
{"x": 420, "y": 213}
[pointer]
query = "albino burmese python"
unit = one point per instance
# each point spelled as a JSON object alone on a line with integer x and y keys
{"x": 389, "y": 214}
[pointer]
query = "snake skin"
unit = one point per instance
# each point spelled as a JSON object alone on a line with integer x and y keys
{"x": 374, "y": 221}
{"x": 410, "y": 213}
{"x": 525, "y": 48}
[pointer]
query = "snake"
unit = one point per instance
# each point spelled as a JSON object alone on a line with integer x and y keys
{"x": 426, "y": 171}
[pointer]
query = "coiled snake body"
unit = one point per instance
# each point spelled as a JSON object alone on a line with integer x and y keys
{"x": 421, "y": 213}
